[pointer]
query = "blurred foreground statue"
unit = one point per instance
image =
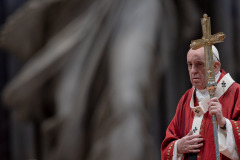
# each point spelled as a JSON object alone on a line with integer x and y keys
{"x": 88, "y": 78}
{"x": 92, "y": 75}
{"x": 101, "y": 78}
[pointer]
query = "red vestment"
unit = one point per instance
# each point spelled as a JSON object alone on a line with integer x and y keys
{"x": 181, "y": 124}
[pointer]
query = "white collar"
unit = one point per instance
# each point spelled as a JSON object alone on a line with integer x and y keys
{"x": 201, "y": 94}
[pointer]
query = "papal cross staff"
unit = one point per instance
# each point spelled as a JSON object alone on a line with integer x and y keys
{"x": 206, "y": 42}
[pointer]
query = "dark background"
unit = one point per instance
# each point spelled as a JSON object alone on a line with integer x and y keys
{"x": 180, "y": 23}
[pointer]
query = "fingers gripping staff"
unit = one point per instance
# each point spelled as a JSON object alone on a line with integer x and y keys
{"x": 206, "y": 42}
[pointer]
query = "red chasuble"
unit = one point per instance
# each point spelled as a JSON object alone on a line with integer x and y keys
{"x": 181, "y": 124}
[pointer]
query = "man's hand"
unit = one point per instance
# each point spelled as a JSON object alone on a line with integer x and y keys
{"x": 190, "y": 143}
{"x": 215, "y": 108}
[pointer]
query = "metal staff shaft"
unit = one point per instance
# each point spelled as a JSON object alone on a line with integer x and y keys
{"x": 211, "y": 87}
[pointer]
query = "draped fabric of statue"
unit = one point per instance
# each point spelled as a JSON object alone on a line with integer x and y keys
{"x": 101, "y": 79}
{"x": 88, "y": 104}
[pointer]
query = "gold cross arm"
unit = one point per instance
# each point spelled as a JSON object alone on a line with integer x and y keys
{"x": 216, "y": 38}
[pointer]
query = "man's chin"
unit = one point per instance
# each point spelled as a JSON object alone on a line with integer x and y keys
{"x": 197, "y": 85}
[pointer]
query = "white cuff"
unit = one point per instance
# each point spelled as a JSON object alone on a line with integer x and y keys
{"x": 227, "y": 144}
{"x": 176, "y": 156}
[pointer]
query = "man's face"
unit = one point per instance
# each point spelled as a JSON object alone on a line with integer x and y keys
{"x": 196, "y": 68}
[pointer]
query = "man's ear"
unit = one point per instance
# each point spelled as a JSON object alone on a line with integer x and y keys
{"x": 217, "y": 66}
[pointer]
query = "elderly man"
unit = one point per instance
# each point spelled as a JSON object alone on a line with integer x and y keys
{"x": 190, "y": 133}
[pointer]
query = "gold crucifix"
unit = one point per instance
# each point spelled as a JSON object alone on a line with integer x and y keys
{"x": 207, "y": 41}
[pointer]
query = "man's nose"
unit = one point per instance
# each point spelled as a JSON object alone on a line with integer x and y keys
{"x": 194, "y": 69}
